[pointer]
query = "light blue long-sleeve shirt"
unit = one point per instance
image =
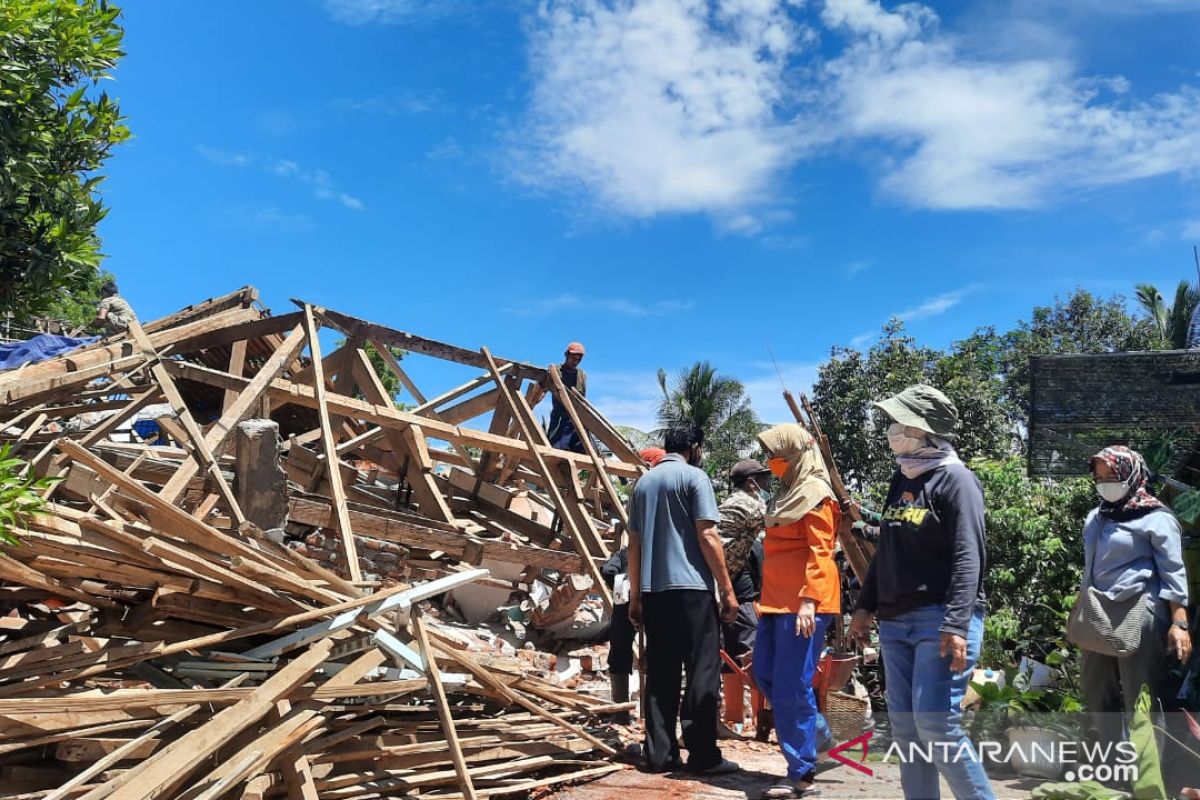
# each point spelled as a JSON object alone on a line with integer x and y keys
{"x": 1143, "y": 555}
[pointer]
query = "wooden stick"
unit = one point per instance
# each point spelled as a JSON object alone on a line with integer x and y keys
{"x": 200, "y": 448}
{"x": 329, "y": 446}
{"x": 443, "y": 707}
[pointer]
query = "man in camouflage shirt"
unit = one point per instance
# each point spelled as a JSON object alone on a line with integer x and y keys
{"x": 743, "y": 512}
{"x": 742, "y": 519}
{"x": 113, "y": 313}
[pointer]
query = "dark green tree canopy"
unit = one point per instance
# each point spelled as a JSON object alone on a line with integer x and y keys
{"x": 56, "y": 131}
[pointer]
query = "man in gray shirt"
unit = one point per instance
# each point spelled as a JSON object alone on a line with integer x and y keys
{"x": 676, "y": 561}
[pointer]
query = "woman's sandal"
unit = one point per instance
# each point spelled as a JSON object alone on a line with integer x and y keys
{"x": 801, "y": 787}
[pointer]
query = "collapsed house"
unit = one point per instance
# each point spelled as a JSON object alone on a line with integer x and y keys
{"x": 257, "y": 576}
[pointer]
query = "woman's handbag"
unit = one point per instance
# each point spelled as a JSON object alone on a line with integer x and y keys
{"x": 1109, "y": 627}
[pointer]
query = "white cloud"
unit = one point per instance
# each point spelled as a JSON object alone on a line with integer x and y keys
{"x": 320, "y": 181}
{"x": 608, "y": 305}
{"x": 990, "y": 133}
{"x": 859, "y": 265}
{"x": 1191, "y": 230}
{"x": 652, "y": 107}
{"x": 661, "y": 106}
{"x": 933, "y": 306}
{"x": 626, "y": 398}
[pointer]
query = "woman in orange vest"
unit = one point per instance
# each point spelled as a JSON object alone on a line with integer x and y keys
{"x": 801, "y": 594}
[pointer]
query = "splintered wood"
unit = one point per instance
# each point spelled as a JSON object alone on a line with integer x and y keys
{"x": 221, "y": 599}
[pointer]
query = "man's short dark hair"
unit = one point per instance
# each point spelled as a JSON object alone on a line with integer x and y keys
{"x": 681, "y": 438}
{"x": 108, "y": 289}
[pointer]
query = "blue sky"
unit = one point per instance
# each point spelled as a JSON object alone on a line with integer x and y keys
{"x": 664, "y": 180}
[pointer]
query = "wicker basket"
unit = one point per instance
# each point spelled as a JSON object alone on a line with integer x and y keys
{"x": 846, "y": 715}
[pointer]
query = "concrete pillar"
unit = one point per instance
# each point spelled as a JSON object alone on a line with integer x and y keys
{"x": 260, "y": 481}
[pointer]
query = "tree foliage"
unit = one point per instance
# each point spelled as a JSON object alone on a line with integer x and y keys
{"x": 56, "y": 131}
{"x": 1170, "y": 323}
{"x": 850, "y": 381}
{"x": 719, "y": 406}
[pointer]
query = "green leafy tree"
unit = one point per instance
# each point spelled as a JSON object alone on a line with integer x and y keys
{"x": 1170, "y": 324}
{"x": 56, "y": 131}
{"x": 719, "y": 406}
{"x": 850, "y": 381}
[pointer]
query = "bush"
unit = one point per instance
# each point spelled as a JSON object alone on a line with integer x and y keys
{"x": 1035, "y": 558}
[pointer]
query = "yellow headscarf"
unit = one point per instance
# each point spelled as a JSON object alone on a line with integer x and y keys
{"x": 806, "y": 483}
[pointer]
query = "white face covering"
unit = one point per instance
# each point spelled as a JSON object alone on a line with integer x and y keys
{"x": 900, "y": 442}
{"x": 1112, "y": 491}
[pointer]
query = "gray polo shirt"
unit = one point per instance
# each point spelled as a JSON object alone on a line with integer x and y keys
{"x": 663, "y": 511}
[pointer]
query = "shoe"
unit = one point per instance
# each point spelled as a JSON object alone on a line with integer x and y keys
{"x": 722, "y": 767}
{"x": 798, "y": 787}
{"x": 726, "y": 732}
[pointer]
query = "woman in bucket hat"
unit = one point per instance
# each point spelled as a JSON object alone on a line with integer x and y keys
{"x": 925, "y": 584}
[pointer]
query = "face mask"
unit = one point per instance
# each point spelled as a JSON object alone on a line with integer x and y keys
{"x": 1112, "y": 491}
{"x": 778, "y": 467}
{"x": 900, "y": 442}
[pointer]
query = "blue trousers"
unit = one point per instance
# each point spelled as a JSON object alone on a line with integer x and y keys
{"x": 784, "y": 665}
{"x": 924, "y": 700}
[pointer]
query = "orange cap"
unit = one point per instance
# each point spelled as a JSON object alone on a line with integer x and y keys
{"x": 652, "y": 455}
{"x": 575, "y": 347}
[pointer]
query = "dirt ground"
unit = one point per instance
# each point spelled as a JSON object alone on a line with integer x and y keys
{"x": 762, "y": 765}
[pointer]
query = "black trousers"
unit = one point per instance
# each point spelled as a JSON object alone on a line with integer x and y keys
{"x": 621, "y": 634}
{"x": 682, "y": 638}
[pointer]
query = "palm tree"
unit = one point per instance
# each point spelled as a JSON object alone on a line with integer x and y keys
{"x": 718, "y": 405}
{"x": 1171, "y": 323}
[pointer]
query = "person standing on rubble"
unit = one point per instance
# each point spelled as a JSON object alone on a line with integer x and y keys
{"x": 741, "y": 527}
{"x": 676, "y": 563}
{"x": 621, "y": 632}
{"x": 562, "y": 433}
{"x": 113, "y": 312}
{"x": 801, "y": 596}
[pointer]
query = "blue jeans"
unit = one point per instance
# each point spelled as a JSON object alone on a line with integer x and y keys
{"x": 924, "y": 700}
{"x": 784, "y": 665}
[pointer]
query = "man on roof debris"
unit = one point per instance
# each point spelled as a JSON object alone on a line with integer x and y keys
{"x": 562, "y": 433}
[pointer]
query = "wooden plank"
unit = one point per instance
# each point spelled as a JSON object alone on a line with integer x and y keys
{"x": 443, "y": 707}
{"x": 161, "y": 773}
{"x": 329, "y": 447}
{"x": 284, "y": 392}
{"x": 237, "y": 366}
{"x": 243, "y": 405}
{"x": 410, "y": 441}
{"x": 487, "y": 678}
{"x": 200, "y": 448}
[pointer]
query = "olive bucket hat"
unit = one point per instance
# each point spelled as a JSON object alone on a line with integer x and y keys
{"x": 924, "y": 407}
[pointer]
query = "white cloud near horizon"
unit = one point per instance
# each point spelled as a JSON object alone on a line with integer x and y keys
{"x": 933, "y": 306}
{"x": 653, "y": 107}
{"x": 318, "y": 180}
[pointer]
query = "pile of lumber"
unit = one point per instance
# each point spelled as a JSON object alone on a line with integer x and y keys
{"x": 248, "y": 597}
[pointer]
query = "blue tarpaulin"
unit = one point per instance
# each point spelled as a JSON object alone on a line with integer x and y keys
{"x": 39, "y": 348}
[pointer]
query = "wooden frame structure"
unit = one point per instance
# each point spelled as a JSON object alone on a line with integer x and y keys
{"x": 261, "y": 670}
